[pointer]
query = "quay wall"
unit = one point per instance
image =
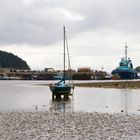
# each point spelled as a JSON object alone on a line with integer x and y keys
{"x": 32, "y": 75}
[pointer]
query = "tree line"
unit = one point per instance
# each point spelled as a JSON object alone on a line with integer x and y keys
{"x": 9, "y": 60}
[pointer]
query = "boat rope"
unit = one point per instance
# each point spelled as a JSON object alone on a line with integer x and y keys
{"x": 69, "y": 63}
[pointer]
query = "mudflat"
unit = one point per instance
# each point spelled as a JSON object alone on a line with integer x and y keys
{"x": 111, "y": 84}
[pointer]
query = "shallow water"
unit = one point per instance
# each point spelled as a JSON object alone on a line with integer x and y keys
{"x": 31, "y": 95}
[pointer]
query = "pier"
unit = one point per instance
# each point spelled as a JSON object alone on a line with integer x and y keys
{"x": 48, "y": 75}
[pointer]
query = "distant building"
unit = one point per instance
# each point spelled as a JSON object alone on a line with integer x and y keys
{"x": 6, "y": 70}
{"x": 84, "y": 69}
{"x": 49, "y": 70}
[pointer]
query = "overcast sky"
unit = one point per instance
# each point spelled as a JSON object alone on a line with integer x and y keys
{"x": 97, "y": 31}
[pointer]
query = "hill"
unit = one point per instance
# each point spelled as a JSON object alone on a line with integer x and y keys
{"x": 137, "y": 68}
{"x": 9, "y": 60}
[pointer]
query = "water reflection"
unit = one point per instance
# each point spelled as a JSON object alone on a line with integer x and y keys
{"x": 126, "y": 101}
{"x": 62, "y": 104}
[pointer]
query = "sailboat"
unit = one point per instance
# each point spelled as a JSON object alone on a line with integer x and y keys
{"x": 61, "y": 87}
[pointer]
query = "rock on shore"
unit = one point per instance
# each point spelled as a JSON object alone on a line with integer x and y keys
{"x": 68, "y": 126}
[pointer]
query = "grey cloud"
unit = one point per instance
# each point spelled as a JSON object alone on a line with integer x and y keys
{"x": 110, "y": 14}
{"x": 38, "y": 22}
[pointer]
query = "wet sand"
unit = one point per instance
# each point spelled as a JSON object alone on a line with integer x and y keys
{"x": 68, "y": 126}
{"x": 111, "y": 84}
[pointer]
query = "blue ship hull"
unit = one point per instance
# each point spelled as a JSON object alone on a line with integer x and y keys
{"x": 125, "y": 74}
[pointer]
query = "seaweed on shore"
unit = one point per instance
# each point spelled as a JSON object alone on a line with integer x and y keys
{"x": 108, "y": 84}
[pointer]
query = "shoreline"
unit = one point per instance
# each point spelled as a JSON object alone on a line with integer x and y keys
{"x": 68, "y": 126}
{"x": 111, "y": 84}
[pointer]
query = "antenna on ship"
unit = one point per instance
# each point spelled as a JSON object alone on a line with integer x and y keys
{"x": 126, "y": 51}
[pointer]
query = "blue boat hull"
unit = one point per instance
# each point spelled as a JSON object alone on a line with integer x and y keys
{"x": 60, "y": 88}
{"x": 125, "y": 74}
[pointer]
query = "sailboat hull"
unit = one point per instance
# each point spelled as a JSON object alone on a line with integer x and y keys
{"x": 61, "y": 90}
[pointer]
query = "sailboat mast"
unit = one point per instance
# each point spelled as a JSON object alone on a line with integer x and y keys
{"x": 126, "y": 51}
{"x": 64, "y": 54}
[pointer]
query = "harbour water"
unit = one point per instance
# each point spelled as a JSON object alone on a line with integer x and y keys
{"x": 33, "y": 95}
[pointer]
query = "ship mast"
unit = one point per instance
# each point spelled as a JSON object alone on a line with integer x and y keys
{"x": 126, "y": 51}
{"x": 64, "y": 53}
